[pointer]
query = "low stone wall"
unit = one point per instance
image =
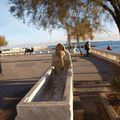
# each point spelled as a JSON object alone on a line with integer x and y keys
{"x": 23, "y": 53}
{"x": 11, "y": 53}
{"x": 33, "y": 108}
{"x": 108, "y": 107}
{"x": 112, "y": 57}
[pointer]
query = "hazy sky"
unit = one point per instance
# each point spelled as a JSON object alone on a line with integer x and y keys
{"x": 17, "y": 33}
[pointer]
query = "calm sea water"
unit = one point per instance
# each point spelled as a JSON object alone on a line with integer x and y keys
{"x": 115, "y": 45}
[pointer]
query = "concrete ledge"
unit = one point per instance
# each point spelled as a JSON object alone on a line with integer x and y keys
{"x": 112, "y": 57}
{"x": 30, "y": 108}
{"x": 74, "y": 54}
{"x": 12, "y": 53}
{"x": 109, "y": 109}
{"x": 23, "y": 53}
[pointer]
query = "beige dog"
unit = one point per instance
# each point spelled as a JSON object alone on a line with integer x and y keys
{"x": 57, "y": 58}
{"x": 61, "y": 58}
{"x": 67, "y": 58}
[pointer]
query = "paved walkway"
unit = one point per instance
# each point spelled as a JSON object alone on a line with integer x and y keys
{"x": 24, "y": 67}
{"x": 20, "y": 73}
{"x": 91, "y": 76}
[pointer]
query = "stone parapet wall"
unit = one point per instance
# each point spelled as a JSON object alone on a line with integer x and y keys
{"x": 112, "y": 57}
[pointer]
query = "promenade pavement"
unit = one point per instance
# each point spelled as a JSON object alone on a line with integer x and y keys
{"x": 92, "y": 76}
{"x": 23, "y": 67}
{"x": 20, "y": 73}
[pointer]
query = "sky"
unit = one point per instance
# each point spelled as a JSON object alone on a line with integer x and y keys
{"x": 19, "y": 34}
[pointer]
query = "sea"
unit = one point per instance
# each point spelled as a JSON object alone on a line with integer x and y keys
{"x": 115, "y": 45}
{"x": 102, "y": 45}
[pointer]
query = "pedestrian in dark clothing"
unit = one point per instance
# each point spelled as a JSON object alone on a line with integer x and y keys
{"x": 87, "y": 48}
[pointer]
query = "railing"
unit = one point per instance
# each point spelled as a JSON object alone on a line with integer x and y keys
{"x": 112, "y": 57}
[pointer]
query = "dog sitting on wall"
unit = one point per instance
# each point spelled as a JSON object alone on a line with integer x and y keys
{"x": 61, "y": 58}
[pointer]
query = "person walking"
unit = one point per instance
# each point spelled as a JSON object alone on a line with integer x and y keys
{"x": 87, "y": 48}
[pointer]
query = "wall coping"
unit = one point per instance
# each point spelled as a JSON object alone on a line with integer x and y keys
{"x": 109, "y": 56}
